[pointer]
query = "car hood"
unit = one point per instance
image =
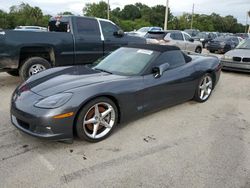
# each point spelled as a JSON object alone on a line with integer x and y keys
{"x": 57, "y": 80}
{"x": 239, "y": 53}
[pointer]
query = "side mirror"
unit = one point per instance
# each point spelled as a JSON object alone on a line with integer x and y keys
{"x": 191, "y": 40}
{"x": 119, "y": 33}
{"x": 158, "y": 71}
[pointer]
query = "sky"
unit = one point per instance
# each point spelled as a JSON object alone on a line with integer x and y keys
{"x": 237, "y": 8}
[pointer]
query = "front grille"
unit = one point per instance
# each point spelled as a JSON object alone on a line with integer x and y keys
{"x": 23, "y": 124}
{"x": 237, "y": 59}
{"x": 246, "y": 59}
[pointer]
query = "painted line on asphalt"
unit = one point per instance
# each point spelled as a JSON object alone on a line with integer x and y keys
{"x": 46, "y": 163}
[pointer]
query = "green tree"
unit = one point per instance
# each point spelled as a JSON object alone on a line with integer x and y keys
{"x": 96, "y": 9}
{"x": 130, "y": 12}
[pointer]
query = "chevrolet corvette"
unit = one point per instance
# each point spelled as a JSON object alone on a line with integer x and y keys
{"x": 90, "y": 101}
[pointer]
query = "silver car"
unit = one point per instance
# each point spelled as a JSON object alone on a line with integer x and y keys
{"x": 174, "y": 37}
{"x": 238, "y": 59}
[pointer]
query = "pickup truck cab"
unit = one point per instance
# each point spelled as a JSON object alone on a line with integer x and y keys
{"x": 70, "y": 40}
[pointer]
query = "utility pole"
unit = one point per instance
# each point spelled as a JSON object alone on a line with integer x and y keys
{"x": 108, "y": 10}
{"x": 166, "y": 17}
{"x": 246, "y": 22}
{"x": 192, "y": 17}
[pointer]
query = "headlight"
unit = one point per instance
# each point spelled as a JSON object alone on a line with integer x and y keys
{"x": 226, "y": 57}
{"x": 222, "y": 43}
{"x": 202, "y": 39}
{"x": 54, "y": 101}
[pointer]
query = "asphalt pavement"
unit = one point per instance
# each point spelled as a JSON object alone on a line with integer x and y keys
{"x": 189, "y": 145}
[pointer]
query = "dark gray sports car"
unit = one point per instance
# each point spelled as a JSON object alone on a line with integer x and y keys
{"x": 127, "y": 84}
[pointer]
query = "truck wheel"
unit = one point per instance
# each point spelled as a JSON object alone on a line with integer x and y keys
{"x": 13, "y": 73}
{"x": 33, "y": 66}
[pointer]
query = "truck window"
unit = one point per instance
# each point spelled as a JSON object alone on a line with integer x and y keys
{"x": 87, "y": 26}
{"x": 108, "y": 28}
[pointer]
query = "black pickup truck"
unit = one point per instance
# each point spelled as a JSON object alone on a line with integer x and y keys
{"x": 70, "y": 40}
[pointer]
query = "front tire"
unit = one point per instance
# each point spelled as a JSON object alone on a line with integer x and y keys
{"x": 33, "y": 66}
{"x": 204, "y": 88}
{"x": 97, "y": 120}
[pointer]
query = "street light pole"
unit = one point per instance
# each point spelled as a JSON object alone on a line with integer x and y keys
{"x": 166, "y": 17}
{"x": 192, "y": 17}
{"x": 108, "y": 10}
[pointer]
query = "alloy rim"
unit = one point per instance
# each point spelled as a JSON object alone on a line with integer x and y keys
{"x": 205, "y": 87}
{"x": 99, "y": 120}
{"x": 36, "y": 69}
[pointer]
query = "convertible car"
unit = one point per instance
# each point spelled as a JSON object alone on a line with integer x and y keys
{"x": 91, "y": 100}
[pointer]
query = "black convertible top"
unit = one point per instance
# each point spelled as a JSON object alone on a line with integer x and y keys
{"x": 154, "y": 47}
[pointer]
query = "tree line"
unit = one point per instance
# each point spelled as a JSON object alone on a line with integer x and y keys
{"x": 132, "y": 16}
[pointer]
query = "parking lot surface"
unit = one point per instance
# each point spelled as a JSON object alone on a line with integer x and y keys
{"x": 189, "y": 145}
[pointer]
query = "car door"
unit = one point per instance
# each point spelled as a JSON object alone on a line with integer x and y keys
{"x": 111, "y": 40}
{"x": 175, "y": 85}
{"x": 179, "y": 40}
{"x": 190, "y": 46}
{"x": 88, "y": 42}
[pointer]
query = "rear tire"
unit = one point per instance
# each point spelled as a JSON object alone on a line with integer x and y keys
{"x": 13, "y": 72}
{"x": 204, "y": 88}
{"x": 33, "y": 66}
{"x": 198, "y": 50}
{"x": 97, "y": 120}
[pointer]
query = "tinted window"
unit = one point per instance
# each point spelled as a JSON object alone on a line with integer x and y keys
{"x": 174, "y": 58}
{"x": 176, "y": 36}
{"x": 108, "y": 28}
{"x": 87, "y": 26}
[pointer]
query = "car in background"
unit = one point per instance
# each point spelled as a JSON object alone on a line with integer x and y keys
{"x": 192, "y": 32}
{"x": 31, "y": 28}
{"x": 223, "y": 44}
{"x": 243, "y": 35}
{"x": 143, "y": 31}
{"x": 205, "y": 37}
{"x": 174, "y": 37}
{"x": 238, "y": 59}
{"x": 127, "y": 84}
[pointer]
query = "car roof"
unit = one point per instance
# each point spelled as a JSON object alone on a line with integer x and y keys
{"x": 153, "y": 47}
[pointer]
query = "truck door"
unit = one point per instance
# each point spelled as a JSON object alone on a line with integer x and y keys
{"x": 88, "y": 42}
{"x": 111, "y": 40}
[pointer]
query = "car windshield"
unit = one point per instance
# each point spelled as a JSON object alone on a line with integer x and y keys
{"x": 126, "y": 61}
{"x": 201, "y": 35}
{"x": 144, "y": 29}
{"x": 245, "y": 44}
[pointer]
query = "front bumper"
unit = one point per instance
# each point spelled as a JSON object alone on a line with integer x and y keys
{"x": 235, "y": 66}
{"x": 40, "y": 122}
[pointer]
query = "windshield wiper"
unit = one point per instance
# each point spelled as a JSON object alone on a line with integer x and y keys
{"x": 102, "y": 70}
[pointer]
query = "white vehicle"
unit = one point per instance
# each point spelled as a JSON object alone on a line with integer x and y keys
{"x": 144, "y": 30}
{"x": 174, "y": 37}
{"x": 30, "y": 28}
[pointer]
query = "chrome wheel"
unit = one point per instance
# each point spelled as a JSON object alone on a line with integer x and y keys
{"x": 99, "y": 120}
{"x": 34, "y": 69}
{"x": 205, "y": 87}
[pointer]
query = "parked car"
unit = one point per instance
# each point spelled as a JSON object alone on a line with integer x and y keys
{"x": 238, "y": 59}
{"x": 192, "y": 32}
{"x": 242, "y": 35}
{"x": 223, "y": 44}
{"x": 143, "y": 31}
{"x": 176, "y": 38}
{"x": 71, "y": 40}
{"x": 205, "y": 37}
{"x": 30, "y": 28}
{"x": 127, "y": 84}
